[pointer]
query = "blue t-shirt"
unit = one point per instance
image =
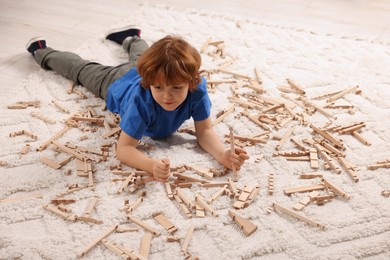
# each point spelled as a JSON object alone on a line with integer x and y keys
{"x": 141, "y": 115}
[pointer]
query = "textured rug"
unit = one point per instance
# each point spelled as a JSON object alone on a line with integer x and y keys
{"x": 356, "y": 219}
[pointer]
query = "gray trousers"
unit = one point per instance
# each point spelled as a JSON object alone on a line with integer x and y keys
{"x": 93, "y": 76}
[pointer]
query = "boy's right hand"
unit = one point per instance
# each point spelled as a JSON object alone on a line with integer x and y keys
{"x": 161, "y": 170}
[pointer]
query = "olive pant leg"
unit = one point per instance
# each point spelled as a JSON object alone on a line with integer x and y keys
{"x": 94, "y": 76}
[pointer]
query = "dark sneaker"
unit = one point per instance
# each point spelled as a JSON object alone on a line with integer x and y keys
{"x": 120, "y": 34}
{"x": 36, "y": 43}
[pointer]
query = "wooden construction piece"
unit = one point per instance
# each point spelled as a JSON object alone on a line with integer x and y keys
{"x": 45, "y": 144}
{"x": 49, "y": 162}
{"x": 310, "y": 175}
{"x": 335, "y": 189}
{"x": 183, "y": 206}
{"x": 258, "y": 75}
{"x": 321, "y": 200}
{"x": 68, "y": 150}
{"x": 342, "y": 93}
{"x": 255, "y": 120}
{"x": 171, "y": 239}
{"x": 319, "y": 109}
{"x": 188, "y": 178}
{"x": 305, "y": 201}
{"x": 89, "y": 220}
{"x": 337, "y": 143}
{"x": 285, "y": 137}
{"x": 19, "y": 198}
{"x": 217, "y": 194}
{"x": 131, "y": 253}
{"x": 360, "y": 138}
{"x": 115, "y": 249}
{"x": 298, "y": 216}
{"x": 60, "y": 106}
{"x": 348, "y": 168}
{"x": 57, "y": 211}
{"x": 202, "y": 172}
{"x": 184, "y": 198}
{"x": 385, "y": 193}
{"x": 237, "y": 75}
{"x": 143, "y": 225}
{"x": 43, "y": 118}
{"x": 327, "y": 158}
{"x": 199, "y": 199}
{"x": 62, "y": 201}
{"x": 91, "y": 206}
{"x": 232, "y": 151}
{"x": 304, "y": 189}
{"x": 253, "y": 195}
{"x": 25, "y": 149}
{"x": 378, "y": 165}
{"x": 123, "y": 229}
{"x": 97, "y": 240}
{"x": 224, "y": 113}
{"x": 247, "y": 226}
{"x": 314, "y": 158}
{"x": 168, "y": 188}
{"x": 300, "y": 145}
{"x": 199, "y": 210}
{"x": 205, "y": 45}
{"x": 145, "y": 245}
{"x": 112, "y": 132}
{"x": 270, "y": 184}
{"x": 187, "y": 239}
{"x": 296, "y": 87}
{"x": 350, "y": 128}
{"x": 232, "y": 187}
{"x": 165, "y": 222}
{"x": 244, "y": 196}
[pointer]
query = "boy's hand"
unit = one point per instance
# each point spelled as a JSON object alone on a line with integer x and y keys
{"x": 161, "y": 170}
{"x": 237, "y": 158}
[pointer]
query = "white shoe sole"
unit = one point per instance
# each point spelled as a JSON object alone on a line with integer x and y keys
{"x": 40, "y": 38}
{"x": 122, "y": 29}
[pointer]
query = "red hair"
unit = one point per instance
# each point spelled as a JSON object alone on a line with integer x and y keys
{"x": 170, "y": 61}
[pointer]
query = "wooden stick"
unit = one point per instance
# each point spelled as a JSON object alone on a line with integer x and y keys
{"x": 145, "y": 245}
{"x": 296, "y": 87}
{"x": 336, "y": 190}
{"x": 285, "y": 137}
{"x": 206, "y": 206}
{"x": 144, "y": 225}
{"x": 187, "y": 239}
{"x": 97, "y": 240}
{"x": 232, "y": 152}
{"x": 298, "y": 216}
{"x": 53, "y": 138}
{"x": 342, "y": 93}
{"x": 304, "y": 189}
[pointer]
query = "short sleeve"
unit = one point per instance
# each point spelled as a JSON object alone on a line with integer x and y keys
{"x": 201, "y": 103}
{"x": 135, "y": 120}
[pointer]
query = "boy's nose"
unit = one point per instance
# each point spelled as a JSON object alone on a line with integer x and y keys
{"x": 167, "y": 94}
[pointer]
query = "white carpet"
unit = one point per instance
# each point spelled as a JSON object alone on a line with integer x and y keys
{"x": 354, "y": 229}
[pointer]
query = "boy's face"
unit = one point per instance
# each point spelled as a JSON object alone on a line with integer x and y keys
{"x": 170, "y": 97}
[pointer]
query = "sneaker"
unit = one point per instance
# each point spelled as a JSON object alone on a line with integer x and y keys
{"x": 120, "y": 34}
{"x": 36, "y": 43}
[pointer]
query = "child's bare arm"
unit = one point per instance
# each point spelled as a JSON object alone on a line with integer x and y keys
{"x": 129, "y": 154}
{"x": 211, "y": 143}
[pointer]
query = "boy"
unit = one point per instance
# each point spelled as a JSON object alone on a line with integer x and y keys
{"x": 154, "y": 93}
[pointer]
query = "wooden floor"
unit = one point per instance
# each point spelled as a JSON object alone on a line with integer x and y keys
{"x": 67, "y": 24}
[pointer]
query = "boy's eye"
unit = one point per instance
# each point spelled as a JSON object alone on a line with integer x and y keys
{"x": 177, "y": 87}
{"x": 157, "y": 87}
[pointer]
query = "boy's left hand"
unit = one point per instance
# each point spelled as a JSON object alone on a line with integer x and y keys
{"x": 237, "y": 158}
